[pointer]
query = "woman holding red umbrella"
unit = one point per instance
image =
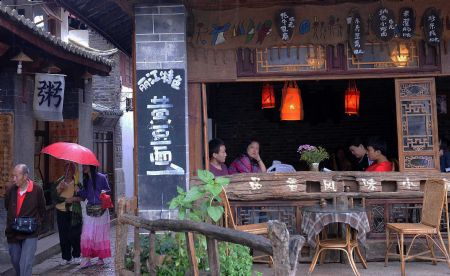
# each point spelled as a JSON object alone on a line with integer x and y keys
{"x": 95, "y": 240}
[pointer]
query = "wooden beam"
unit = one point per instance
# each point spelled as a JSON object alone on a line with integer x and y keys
{"x": 49, "y": 47}
{"x": 125, "y": 6}
{"x": 92, "y": 24}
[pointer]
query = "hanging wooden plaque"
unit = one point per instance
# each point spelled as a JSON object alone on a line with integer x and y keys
{"x": 432, "y": 26}
{"x": 6, "y": 150}
{"x": 285, "y": 21}
{"x": 383, "y": 24}
{"x": 357, "y": 34}
{"x": 407, "y": 23}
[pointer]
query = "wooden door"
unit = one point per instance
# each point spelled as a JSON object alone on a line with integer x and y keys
{"x": 418, "y": 142}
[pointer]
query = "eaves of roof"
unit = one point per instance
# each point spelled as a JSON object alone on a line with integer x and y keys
{"x": 12, "y": 15}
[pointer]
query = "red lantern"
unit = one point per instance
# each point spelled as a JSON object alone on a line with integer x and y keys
{"x": 352, "y": 99}
{"x": 267, "y": 96}
{"x": 291, "y": 105}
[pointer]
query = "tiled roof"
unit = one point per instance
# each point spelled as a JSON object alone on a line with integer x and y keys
{"x": 104, "y": 110}
{"x": 20, "y": 19}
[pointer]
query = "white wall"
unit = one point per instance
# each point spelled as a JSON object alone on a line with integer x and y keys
{"x": 126, "y": 121}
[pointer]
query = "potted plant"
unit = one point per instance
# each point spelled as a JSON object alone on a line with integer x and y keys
{"x": 312, "y": 155}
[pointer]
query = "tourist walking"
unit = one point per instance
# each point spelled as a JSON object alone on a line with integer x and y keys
{"x": 25, "y": 206}
{"x": 95, "y": 240}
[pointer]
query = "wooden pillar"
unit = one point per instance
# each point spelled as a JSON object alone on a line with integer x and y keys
{"x": 195, "y": 128}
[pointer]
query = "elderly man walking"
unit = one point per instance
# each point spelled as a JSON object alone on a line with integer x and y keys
{"x": 25, "y": 206}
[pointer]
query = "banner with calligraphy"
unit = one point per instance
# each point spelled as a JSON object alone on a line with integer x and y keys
{"x": 161, "y": 135}
{"x": 48, "y": 98}
{"x": 383, "y": 24}
{"x": 357, "y": 34}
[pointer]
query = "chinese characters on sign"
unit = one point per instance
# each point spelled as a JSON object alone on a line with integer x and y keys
{"x": 407, "y": 24}
{"x": 161, "y": 133}
{"x": 254, "y": 183}
{"x": 432, "y": 26}
{"x": 383, "y": 24}
{"x": 369, "y": 184}
{"x": 357, "y": 34}
{"x": 329, "y": 185}
{"x": 166, "y": 76}
{"x": 48, "y": 97}
{"x": 286, "y": 24}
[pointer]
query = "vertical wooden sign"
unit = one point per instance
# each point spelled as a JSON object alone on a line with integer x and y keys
{"x": 6, "y": 150}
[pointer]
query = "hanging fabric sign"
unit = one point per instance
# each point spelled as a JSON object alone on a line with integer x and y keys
{"x": 356, "y": 34}
{"x": 285, "y": 20}
{"x": 383, "y": 24}
{"x": 432, "y": 26}
{"x": 48, "y": 97}
{"x": 407, "y": 23}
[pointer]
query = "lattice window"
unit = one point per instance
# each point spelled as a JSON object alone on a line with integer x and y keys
{"x": 417, "y": 124}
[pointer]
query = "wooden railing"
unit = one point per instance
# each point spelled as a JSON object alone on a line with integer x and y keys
{"x": 279, "y": 244}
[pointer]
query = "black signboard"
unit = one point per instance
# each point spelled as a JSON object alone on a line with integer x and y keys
{"x": 432, "y": 26}
{"x": 161, "y": 135}
{"x": 383, "y": 24}
{"x": 357, "y": 34}
{"x": 285, "y": 20}
{"x": 407, "y": 23}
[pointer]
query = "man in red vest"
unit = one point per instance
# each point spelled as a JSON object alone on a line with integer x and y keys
{"x": 23, "y": 200}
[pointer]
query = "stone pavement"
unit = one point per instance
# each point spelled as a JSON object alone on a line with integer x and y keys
{"x": 51, "y": 265}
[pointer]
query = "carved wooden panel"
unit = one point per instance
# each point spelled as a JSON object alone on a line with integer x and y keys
{"x": 6, "y": 150}
{"x": 417, "y": 124}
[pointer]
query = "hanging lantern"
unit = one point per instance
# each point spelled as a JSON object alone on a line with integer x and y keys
{"x": 267, "y": 96}
{"x": 291, "y": 104}
{"x": 352, "y": 99}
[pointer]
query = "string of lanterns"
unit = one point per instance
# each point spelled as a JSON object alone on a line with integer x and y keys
{"x": 292, "y": 103}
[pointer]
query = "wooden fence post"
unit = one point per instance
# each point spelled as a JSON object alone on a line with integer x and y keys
{"x": 285, "y": 250}
{"x": 191, "y": 253}
{"x": 213, "y": 256}
{"x": 137, "y": 252}
{"x": 152, "y": 254}
{"x": 120, "y": 241}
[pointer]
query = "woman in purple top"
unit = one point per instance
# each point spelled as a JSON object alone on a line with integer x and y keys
{"x": 248, "y": 162}
{"x": 95, "y": 241}
{"x": 217, "y": 156}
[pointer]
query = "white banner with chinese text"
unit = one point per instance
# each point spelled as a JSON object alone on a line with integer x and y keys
{"x": 48, "y": 97}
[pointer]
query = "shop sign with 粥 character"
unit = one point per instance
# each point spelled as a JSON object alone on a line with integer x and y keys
{"x": 383, "y": 24}
{"x": 285, "y": 20}
{"x": 432, "y": 26}
{"x": 161, "y": 134}
{"x": 48, "y": 100}
{"x": 356, "y": 33}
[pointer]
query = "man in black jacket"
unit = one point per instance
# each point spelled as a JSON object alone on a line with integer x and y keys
{"x": 24, "y": 199}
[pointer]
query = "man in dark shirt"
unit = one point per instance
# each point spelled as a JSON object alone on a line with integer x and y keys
{"x": 24, "y": 199}
{"x": 359, "y": 151}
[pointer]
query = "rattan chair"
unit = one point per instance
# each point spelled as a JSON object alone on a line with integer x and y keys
{"x": 255, "y": 228}
{"x": 434, "y": 200}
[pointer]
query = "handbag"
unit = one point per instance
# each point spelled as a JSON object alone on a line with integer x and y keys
{"x": 27, "y": 225}
{"x": 106, "y": 201}
{"x": 94, "y": 210}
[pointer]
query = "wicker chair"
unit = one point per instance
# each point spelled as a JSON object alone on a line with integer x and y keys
{"x": 256, "y": 228}
{"x": 434, "y": 200}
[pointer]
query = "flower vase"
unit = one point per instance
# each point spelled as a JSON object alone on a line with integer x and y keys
{"x": 314, "y": 167}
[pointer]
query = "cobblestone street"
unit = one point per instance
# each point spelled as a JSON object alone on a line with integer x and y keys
{"x": 52, "y": 267}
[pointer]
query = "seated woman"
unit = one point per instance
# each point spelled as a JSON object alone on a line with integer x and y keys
{"x": 248, "y": 162}
{"x": 376, "y": 150}
{"x": 217, "y": 156}
{"x": 359, "y": 151}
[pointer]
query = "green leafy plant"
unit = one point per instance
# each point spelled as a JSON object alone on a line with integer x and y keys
{"x": 312, "y": 154}
{"x": 235, "y": 259}
{"x": 204, "y": 196}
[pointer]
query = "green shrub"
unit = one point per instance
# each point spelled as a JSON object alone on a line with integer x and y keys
{"x": 235, "y": 259}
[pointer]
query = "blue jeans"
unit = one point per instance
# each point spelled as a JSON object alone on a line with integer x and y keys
{"x": 22, "y": 256}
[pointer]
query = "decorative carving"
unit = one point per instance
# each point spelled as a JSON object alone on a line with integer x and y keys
{"x": 369, "y": 185}
{"x": 415, "y": 89}
{"x": 328, "y": 185}
{"x": 377, "y": 223}
{"x": 292, "y": 184}
{"x": 419, "y": 162}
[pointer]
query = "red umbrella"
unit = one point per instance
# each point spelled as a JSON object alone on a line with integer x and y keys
{"x": 71, "y": 152}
